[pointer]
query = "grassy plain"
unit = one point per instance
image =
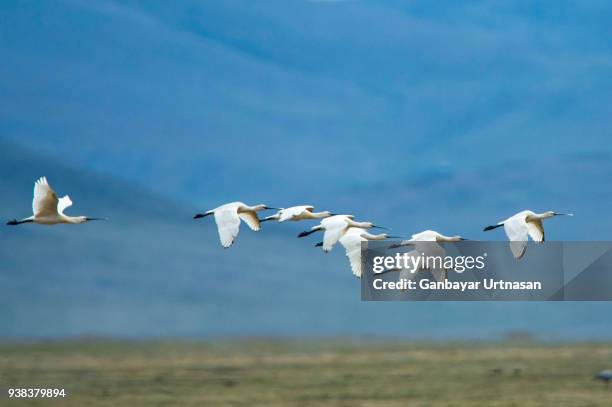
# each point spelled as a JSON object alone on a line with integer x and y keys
{"x": 338, "y": 372}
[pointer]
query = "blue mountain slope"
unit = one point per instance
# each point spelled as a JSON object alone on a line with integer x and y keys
{"x": 209, "y": 97}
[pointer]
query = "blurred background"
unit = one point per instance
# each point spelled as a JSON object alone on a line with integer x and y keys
{"x": 411, "y": 114}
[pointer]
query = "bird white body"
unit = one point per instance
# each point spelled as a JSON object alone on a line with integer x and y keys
{"x": 297, "y": 213}
{"x": 351, "y": 240}
{"x": 48, "y": 209}
{"x": 426, "y": 244}
{"x": 523, "y": 225}
{"x": 433, "y": 236}
{"x": 334, "y": 228}
{"x": 228, "y": 217}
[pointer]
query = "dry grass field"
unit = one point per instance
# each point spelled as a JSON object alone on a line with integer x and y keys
{"x": 307, "y": 373}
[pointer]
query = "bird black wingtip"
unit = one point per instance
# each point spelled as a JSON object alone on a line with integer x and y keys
{"x": 198, "y": 215}
{"x": 90, "y": 219}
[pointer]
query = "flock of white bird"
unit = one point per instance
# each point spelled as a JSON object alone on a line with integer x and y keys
{"x": 48, "y": 209}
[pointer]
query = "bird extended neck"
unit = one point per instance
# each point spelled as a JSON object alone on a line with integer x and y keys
{"x": 363, "y": 225}
{"x": 74, "y": 219}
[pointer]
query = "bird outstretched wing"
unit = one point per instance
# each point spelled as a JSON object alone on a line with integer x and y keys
{"x": 431, "y": 249}
{"x": 410, "y": 273}
{"x": 425, "y": 236}
{"x": 518, "y": 248}
{"x": 332, "y": 235}
{"x": 284, "y": 215}
{"x": 352, "y": 245}
{"x": 45, "y": 200}
{"x": 288, "y": 213}
{"x": 251, "y": 219}
{"x": 294, "y": 213}
{"x": 63, "y": 203}
{"x": 518, "y": 233}
{"x": 228, "y": 225}
{"x": 439, "y": 274}
{"x": 536, "y": 230}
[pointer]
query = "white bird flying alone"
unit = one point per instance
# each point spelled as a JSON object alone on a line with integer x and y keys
{"x": 523, "y": 225}
{"x": 228, "y": 218}
{"x": 334, "y": 228}
{"x": 48, "y": 209}
{"x": 296, "y": 213}
{"x": 351, "y": 240}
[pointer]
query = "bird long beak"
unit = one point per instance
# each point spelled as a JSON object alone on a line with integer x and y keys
{"x": 563, "y": 214}
{"x": 271, "y": 207}
{"x": 201, "y": 215}
{"x": 88, "y": 219}
{"x": 380, "y": 227}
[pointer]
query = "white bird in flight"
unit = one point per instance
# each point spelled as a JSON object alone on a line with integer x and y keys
{"x": 426, "y": 244}
{"x": 48, "y": 209}
{"x": 523, "y": 225}
{"x": 296, "y": 213}
{"x": 228, "y": 218}
{"x": 334, "y": 228}
{"x": 429, "y": 236}
{"x": 351, "y": 240}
